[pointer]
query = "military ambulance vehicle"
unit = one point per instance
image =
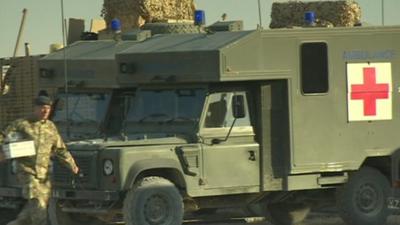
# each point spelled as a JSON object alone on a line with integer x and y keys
{"x": 272, "y": 121}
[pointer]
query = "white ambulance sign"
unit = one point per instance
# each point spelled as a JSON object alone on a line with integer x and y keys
{"x": 369, "y": 91}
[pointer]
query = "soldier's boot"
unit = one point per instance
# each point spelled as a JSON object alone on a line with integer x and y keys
{"x": 39, "y": 220}
{"x": 39, "y": 213}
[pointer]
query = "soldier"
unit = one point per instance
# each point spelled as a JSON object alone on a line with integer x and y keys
{"x": 33, "y": 171}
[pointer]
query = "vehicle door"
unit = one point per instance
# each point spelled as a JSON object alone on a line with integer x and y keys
{"x": 230, "y": 162}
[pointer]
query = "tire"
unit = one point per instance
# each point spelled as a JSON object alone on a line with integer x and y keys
{"x": 58, "y": 217}
{"x": 153, "y": 201}
{"x": 287, "y": 213}
{"x": 362, "y": 200}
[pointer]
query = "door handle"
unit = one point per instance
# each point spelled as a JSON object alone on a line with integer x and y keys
{"x": 252, "y": 156}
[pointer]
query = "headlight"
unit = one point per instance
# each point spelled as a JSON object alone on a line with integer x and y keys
{"x": 108, "y": 167}
{"x": 123, "y": 68}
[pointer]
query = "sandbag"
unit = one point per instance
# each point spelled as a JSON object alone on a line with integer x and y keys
{"x": 328, "y": 13}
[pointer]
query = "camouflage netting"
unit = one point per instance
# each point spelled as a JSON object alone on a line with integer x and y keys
{"x": 133, "y": 13}
{"x": 328, "y": 13}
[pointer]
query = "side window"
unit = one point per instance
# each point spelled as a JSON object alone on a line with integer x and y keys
{"x": 219, "y": 113}
{"x": 314, "y": 68}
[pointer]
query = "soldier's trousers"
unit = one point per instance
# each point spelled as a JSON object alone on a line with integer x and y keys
{"x": 37, "y": 192}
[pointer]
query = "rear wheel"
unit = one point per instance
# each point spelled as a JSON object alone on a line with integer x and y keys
{"x": 363, "y": 199}
{"x": 153, "y": 201}
{"x": 58, "y": 217}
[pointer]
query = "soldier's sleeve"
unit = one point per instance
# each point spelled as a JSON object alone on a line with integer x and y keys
{"x": 62, "y": 153}
{"x": 2, "y": 136}
{"x": 13, "y": 127}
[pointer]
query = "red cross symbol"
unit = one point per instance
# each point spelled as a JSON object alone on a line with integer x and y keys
{"x": 370, "y": 91}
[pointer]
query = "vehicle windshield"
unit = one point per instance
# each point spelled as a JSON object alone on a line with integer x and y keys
{"x": 165, "y": 110}
{"x": 86, "y": 112}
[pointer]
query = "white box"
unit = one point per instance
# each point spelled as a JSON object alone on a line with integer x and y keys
{"x": 19, "y": 149}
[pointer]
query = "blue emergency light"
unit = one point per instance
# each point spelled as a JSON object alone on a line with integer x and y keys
{"x": 116, "y": 25}
{"x": 199, "y": 17}
{"x": 309, "y": 18}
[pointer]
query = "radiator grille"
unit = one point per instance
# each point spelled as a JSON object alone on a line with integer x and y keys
{"x": 87, "y": 163}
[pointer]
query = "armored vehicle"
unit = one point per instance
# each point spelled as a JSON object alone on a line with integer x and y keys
{"x": 272, "y": 121}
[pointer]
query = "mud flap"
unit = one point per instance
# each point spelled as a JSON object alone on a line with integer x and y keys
{"x": 394, "y": 204}
{"x": 394, "y": 199}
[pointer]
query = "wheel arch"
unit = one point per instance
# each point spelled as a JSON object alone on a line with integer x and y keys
{"x": 395, "y": 161}
{"x": 166, "y": 168}
{"x": 381, "y": 163}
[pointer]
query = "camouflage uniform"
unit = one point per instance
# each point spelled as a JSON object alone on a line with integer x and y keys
{"x": 33, "y": 171}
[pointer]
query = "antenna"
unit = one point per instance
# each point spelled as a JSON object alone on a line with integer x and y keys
{"x": 65, "y": 66}
{"x": 21, "y": 29}
{"x": 259, "y": 13}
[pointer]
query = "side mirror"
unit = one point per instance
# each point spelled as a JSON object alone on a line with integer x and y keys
{"x": 238, "y": 109}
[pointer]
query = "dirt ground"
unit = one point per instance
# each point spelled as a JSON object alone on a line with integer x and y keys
{"x": 312, "y": 219}
{"x": 327, "y": 219}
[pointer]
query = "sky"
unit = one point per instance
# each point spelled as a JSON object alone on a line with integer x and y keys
{"x": 43, "y": 21}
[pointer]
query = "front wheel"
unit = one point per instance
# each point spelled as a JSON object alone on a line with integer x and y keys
{"x": 153, "y": 201}
{"x": 363, "y": 199}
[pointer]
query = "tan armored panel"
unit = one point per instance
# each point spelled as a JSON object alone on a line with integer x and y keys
{"x": 134, "y": 13}
{"x": 22, "y": 83}
{"x": 328, "y": 13}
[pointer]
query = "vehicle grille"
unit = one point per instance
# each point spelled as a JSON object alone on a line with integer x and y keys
{"x": 87, "y": 162}
{"x": 3, "y": 174}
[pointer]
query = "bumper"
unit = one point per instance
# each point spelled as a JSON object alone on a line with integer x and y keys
{"x": 10, "y": 192}
{"x": 11, "y": 198}
{"x": 86, "y": 195}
